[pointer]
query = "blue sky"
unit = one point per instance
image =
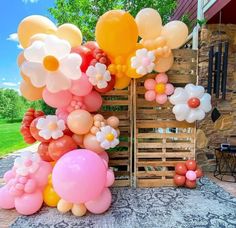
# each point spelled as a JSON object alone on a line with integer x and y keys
{"x": 12, "y": 12}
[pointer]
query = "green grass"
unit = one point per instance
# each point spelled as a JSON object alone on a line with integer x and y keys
{"x": 10, "y": 138}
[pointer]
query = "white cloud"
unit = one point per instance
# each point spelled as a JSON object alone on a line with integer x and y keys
{"x": 13, "y": 37}
{"x": 11, "y": 84}
{"x": 30, "y": 1}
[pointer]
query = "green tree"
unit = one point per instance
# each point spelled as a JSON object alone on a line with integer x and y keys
{"x": 85, "y": 13}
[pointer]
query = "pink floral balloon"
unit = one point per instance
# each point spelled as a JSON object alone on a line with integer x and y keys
{"x": 93, "y": 101}
{"x": 161, "y": 78}
{"x": 101, "y": 204}
{"x": 149, "y": 84}
{"x": 79, "y": 176}
{"x": 7, "y": 201}
{"x": 62, "y": 113}
{"x": 169, "y": 89}
{"x": 150, "y": 95}
{"x": 161, "y": 99}
{"x": 57, "y": 100}
{"x": 82, "y": 86}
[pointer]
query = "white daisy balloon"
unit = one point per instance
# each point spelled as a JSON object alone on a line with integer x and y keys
{"x": 49, "y": 63}
{"x": 98, "y": 75}
{"x": 190, "y": 103}
{"x": 143, "y": 62}
{"x": 51, "y": 127}
{"x": 108, "y": 137}
{"x": 27, "y": 163}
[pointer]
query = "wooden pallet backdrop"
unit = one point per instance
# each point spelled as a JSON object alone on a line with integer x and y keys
{"x": 119, "y": 103}
{"x": 159, "y": 140}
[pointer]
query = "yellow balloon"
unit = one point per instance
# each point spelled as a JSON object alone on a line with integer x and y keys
{"x": 163, "y": 64}
{"x": 50, "y": 197}
{"x": 176, "y": 33}
{"x": 30, "y": 92}
{"x": 122, "y": 82}
{"x": 149, "y": 23}
{"x": 71, "y": 33}
{"x": 116, "y": 32}
{"x": 32, "y": 25}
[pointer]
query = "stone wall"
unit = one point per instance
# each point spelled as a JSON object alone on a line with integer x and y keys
{"x": 213, "y": 34}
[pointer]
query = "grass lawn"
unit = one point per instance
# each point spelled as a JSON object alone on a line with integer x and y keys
{"x": 10, "y": 138}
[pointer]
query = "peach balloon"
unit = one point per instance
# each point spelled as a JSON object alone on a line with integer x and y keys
{"x": 113, "y": 121}
{"x": 20, "y": 59}
{"x": 25, "y": 77}
{"x": 176, "y": 33}
{"x": 80, "y": 121}
{"x": 149, "y": 23}
{"x": 122, "y": 82}
{"x": 78, "y": 139}
{"x": 91, "y": 143}
{"x": 38, "y": 36}
{"x": 164, "y": 64}
{"x": 30, "y": 92}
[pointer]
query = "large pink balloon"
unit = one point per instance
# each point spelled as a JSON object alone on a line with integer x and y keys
{"x": 57, "y": 100}
{"x": 82, "y": 86}
{"x": 101, "y": 204}
{"x": 6, "y": 200}
{"x": 93, "y": 101}
{"x": 79, "y": 176}
{"x": 28, "y": 204}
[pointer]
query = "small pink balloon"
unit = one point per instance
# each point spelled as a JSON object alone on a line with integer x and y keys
{"x": 57, "y": 100}
{"x": 150, "y": 95}
{"x": 110, "y": 178}
{"x": 104, "y": 156}
{"x": 82, "y": 86}
{"x": 101, "y": 203}
{"x": 161, "y": 78}
{"x": 62, "y": 113}
{"x": 28, "y": 204}
{"x": 161, "y": 98}
{"x": 191, "y": 175}
{"x": 150, "y": 84}
{"x": 30, "y": 186}
{"x": 6, "y": 199}
{"x": 9, "y": 175}
{"x": 79, "y": 176}
{"x": 169, "y": 89}
{"x": 92, "y": 101}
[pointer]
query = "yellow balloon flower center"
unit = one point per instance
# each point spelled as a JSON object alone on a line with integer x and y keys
{"x": 160, "y": 88}
{"x": 52, "y": 126}
{"x": 110, "y": 137}
{"x": 50, "y": 63}
{"x": 99, "y": 77}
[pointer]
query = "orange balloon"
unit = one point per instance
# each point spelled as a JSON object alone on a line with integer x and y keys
{"x": 91, "y": 143}
{"x": 116, "y": 32}
{"x": 163, "y": 64}
{"x": 30, "y": 92}
{"x": 78, "y": 139}
{"x": 26, "y": 78}
{"x": 199, "y": 172}
{"x": 190, "y": 184}
{"x": 191, "y": 165}
{"x": 50, "y": 197}
{"x": 180, "y": 169}
{"x": 179, "y": 180}
{"x": 20, "y": 59}
{"x": 80, "y": 121}
{"x": 122, "y": 82}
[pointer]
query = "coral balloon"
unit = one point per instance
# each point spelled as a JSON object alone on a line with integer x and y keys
{"x": 90, "y": 142}
{"x": 92, "y": 45}
{"x": 116, "y": 32}
{"x": 176, "y": 33}
{"x": 101, "y": 204}
{"x": 59, "y": 147}
{"x": 109, "y": 87}
{"x": 30, "y": 92}
{"x": 80, "y": 122}
{"x": 190, "y": 184}
{"x": 78, "y": 139}
{"x": 43, "y": 152}
{"x": 149, "y": 23}
{"x": 50, "y": 197}
{"x": 93, "y": 101}
{"x": 32, "y": 25}
{"x": 57, "y": 100}
{"x": 82, "y": 86}
{"x": 199, "y": 172}
{"x": 71, "y": 33}
{"x": 181, "y": 168}
{"x": 163, "y": 64}
{"x": 79, "y": 176}
{"x": 104, "y": 156}
{"x": 122, "y": 82}
{"x": 179, "y": 180}
{"x": 191, "y": 165}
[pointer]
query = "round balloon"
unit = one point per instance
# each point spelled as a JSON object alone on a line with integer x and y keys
{"x": 29, "y": 92}
{"x": 180, "y": 169}
{"x": 93, "y": 101}
{"x": 122, "y": 82}
{"x": 163, "y": 64}
{"x": 50, "y": 197}
{"x": 90, "y": 142}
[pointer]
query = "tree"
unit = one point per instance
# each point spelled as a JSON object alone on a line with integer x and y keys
{"x": 85, "y": 13}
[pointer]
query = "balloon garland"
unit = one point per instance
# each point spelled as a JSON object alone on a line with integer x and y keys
{"x": 70, "y": 169}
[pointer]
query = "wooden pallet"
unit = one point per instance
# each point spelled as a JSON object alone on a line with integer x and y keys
{"x": 159, "y": 140}
{"x": 119, "y": 103}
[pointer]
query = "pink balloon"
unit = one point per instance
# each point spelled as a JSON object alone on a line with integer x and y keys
{"x": 57, "y": 100}
{"x": 7, "y": 200}
{"x": 30, "y": 186}
{"x": 93, "y": 101}
{"x": 150, "y": 84}
{"x": 9, "y": 175}
{"x": 104, "y": 156}
{"x": 161, "y": 98}
{"x": 161, "y": 78}
{"x": 169, "y": 89}
{"x": 110, "y": 178}
{"x": 82, "y": 86}
{"x": 79, "y": 176}
{"x": 191, "y": 175}
{"x": 28, "y": 204}
{"x": 101, "y": 204}
{"x": 62, "y": 113}
{"x": 150, "y": 95}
